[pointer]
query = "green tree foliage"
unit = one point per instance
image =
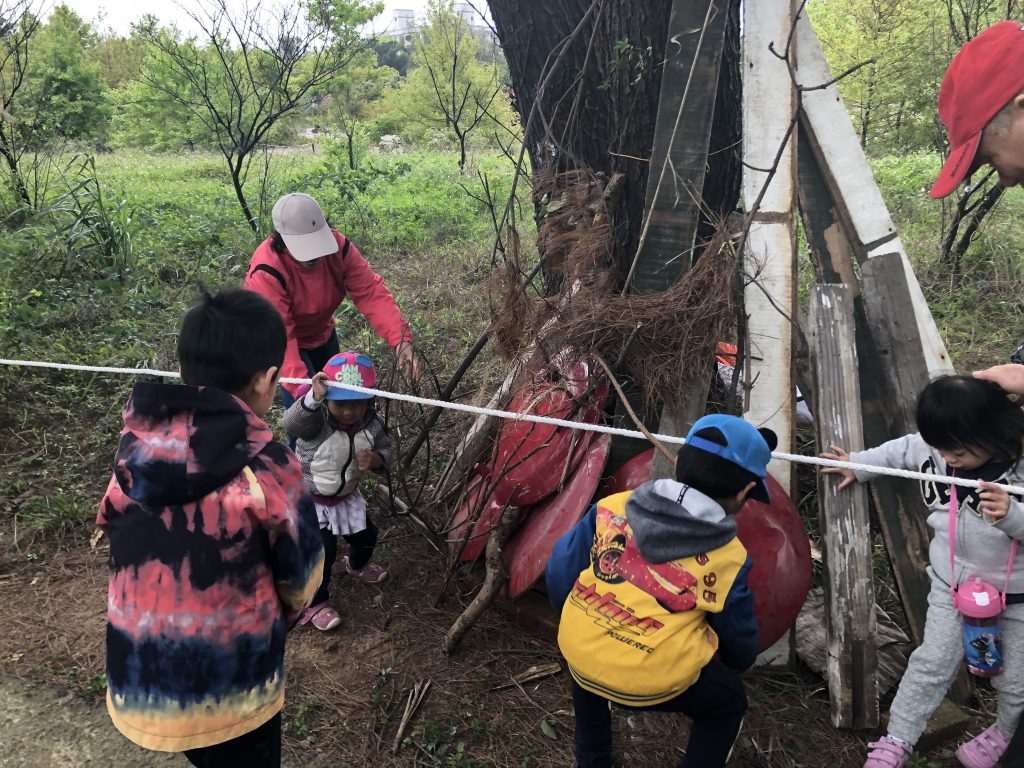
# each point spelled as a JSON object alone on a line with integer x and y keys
{"x": 118, "y": 58}
{"x": 395, "y": 54}
{"x": 353, "y": 95}
{"x": 901, "y": 48}
{"x": 253, "y": 68}
{"x": 63, "y": 95}
{"x": 450, "y": 90}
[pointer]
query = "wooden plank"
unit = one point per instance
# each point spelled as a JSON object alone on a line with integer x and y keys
{"x": 769, "y": 103}
{"x": 898, "y": 505}
{"x": 846, "y": 530}
{"x": 900, "y": 510}
{"x": 679, "y": 157}
{"x": 891, "y": 320}
{"x": 831, "y": 137}
{"x": 682, "y": 136}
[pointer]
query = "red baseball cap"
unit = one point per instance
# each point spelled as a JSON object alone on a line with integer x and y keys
{"x": 986, "y": 73}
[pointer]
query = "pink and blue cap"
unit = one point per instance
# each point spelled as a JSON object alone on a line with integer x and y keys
{"x": 350, "y": 368}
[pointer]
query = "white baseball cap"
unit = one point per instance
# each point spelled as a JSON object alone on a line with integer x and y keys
{"x": 300, "y": 221}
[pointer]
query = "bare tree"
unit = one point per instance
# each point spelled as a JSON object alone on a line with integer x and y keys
{"x": 255, "y": 66}
{"x": 463, "y": 90}
{"x": 19, "y": 20}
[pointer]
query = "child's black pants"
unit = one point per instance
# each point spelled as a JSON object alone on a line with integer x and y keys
{"x": 257, "y": 749}
{"x": 360, "y": 549}
{"x": 715, "y": 703}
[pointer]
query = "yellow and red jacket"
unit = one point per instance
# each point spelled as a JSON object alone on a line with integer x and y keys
{"x": 637, "y": 632}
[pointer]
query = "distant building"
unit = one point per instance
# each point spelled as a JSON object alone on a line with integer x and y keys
{"x": 403, "y": 24}
{"x": 465, "y": 12}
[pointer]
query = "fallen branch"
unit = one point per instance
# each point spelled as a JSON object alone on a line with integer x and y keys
{"x": 416, "y": 696}
{"x": 493, "y": 582}
{"x": 532, "y": 675}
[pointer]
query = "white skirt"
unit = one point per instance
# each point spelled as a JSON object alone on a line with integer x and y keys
{"x": 346, "y": 517}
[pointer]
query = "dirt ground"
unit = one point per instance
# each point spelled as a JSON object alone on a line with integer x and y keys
{"x": 347, "y": 690}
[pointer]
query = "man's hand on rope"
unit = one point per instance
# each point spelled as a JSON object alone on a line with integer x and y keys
{"x": 847, "y": 475}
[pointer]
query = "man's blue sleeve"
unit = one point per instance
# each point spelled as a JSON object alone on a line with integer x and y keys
{"x": 736, "y": 625}
{"x": 569, "y": 557}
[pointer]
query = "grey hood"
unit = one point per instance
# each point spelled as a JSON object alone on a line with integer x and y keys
{"x": 671, "y": 520}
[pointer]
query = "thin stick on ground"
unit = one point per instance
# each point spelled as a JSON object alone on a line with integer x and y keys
{"x": 416, "y": 696}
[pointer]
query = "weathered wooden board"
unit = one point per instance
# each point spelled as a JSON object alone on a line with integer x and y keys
{"x": 769, "y": 103}
{"x": 859, "y": 202}
{"x": 845, "y": 522}
{"x": 811, "y": 646}
{"x": 898, "y": 506}
{"x": 682, "y": 135}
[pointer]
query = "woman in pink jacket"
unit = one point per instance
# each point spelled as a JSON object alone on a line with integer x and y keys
{"x": 306, "y": 269}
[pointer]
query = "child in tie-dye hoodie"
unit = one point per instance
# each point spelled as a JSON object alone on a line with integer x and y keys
{"x": 214, "y": 546}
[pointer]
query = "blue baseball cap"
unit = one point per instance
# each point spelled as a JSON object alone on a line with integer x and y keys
{"x": 746, "y": 446}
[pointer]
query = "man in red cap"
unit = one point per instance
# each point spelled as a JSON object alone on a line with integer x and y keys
{"x": 981, "y": 103}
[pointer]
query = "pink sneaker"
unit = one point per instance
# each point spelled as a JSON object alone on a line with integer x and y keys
{"x": 371, "y": 573}
{"x": 887, "y": 752}
{"x": 984, "y": 750}
{"x": 322, "y": 616}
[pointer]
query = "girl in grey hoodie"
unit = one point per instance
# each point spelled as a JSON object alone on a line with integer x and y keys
{"x": 967, "y": 428}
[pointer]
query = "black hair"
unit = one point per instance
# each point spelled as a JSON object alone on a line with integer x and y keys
{"x": 277, "y": 243}
{"x": 712, "y": 475}
{"x": 229, "y": 337}
{"x": 956, "y": 412}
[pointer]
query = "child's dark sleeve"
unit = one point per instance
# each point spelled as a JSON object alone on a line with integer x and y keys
{"x": 296, "y": 549}
{"x": 736, "y": 625}
{"x": 304, "y": 419}
{"x": 569, "y": 557}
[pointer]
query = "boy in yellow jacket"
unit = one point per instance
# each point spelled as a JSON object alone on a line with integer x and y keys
{"x": 652, "y": 587}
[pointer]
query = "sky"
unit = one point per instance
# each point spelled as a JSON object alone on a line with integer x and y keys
{"x": 119, "y": 14}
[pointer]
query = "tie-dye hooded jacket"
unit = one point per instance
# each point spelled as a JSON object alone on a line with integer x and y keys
{"x": 214, "y": 549}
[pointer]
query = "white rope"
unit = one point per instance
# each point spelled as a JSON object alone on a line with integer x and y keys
{"x": 780, "y": 455}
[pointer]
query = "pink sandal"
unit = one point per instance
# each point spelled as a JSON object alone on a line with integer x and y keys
{"x": 322, "y": 616}
{"x": 371, "y": 573}
{"x": 984, "y": 750}
{"x": 887, "y": 753}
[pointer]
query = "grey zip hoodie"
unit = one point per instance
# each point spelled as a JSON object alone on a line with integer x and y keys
{"x": 982, "y": 546}
{"x": 671, "y": 520}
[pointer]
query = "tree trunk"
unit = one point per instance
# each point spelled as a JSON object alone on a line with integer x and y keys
{"x": 350, "y": 135}
{"x": 17, "y": 179}
{"x": 599, "y": 108}
{"x": 236, "y": 181}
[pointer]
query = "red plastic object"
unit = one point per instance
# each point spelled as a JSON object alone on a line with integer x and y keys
{"x": 775, "y": 538}
{"x": 630, "y": 475}
{"x": 535, "y": 454}
{"x": 530, "y": 547}
{"x": 491, "y": 511}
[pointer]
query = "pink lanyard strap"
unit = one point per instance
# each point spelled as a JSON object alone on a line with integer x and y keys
{"x": 952, "y": 544}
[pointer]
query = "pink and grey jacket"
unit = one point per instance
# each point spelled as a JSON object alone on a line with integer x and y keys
{"x": 307, "y": 297}
{"x": 214, "y": 550}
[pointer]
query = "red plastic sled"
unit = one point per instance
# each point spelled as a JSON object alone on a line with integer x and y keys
{"x": 530, "y": 547}
{"x": 535, "y": 454}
